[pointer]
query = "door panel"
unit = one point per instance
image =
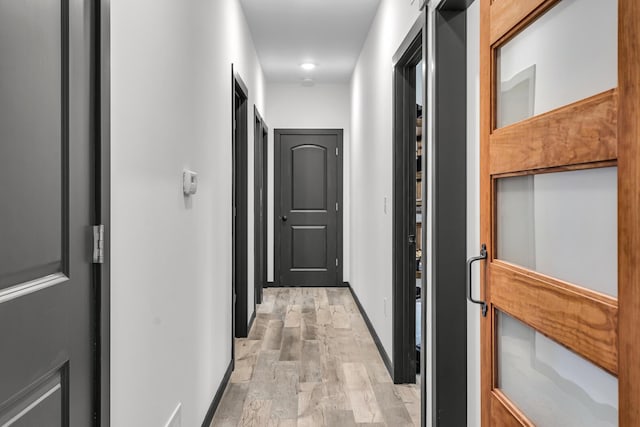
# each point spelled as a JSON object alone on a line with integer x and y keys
{"x": 30, "y": 131}
{"x": 550, "y": 194}
{"x": 309, "y": 165}
{"x": 550, "y": 384}
{"x": 309, "y": 190}
{"x": 42, "y": 404}
{"x": 309, "y": 247}
{"x": 550, "y": 223}
{"x": 572, "y": 59}
{"x": 46, "y": 106}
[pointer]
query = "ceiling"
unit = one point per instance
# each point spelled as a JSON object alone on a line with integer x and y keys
{"x": 328, "y": 33}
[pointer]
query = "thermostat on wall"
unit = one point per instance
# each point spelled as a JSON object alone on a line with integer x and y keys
{"x": 189, "y": 182}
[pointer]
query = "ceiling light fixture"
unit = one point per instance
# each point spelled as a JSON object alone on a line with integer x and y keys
{"x": 308, "y": 66}
{"x": 308, "y": 82}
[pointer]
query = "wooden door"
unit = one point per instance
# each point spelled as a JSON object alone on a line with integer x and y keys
{"x": 560, "y": 96}
{"x": 47, "y": 339}
{"x": 308, "y": 198}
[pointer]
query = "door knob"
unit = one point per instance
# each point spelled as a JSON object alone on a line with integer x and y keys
{"x": 283, "y": 218}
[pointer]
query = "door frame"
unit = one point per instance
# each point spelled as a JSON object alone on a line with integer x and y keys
{"x": 102, "y": 211}
{"x": 260, "y": 145}
{"x": 408, "y": 56}
{"x": 444, "y": 308}
{"x": 449, "y": 219}
{"x": 239, "y": 122}
{"x": 277, "y": 195}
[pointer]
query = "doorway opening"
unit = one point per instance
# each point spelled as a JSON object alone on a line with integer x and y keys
{"x": 260, "y": 136}
{"x": 408, "y": 203}
{"x": 239, "y": 150}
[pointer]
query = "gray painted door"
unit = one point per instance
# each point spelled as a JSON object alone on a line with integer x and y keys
{"x": 309, "y": 189}
{"x": 45, "y": 188}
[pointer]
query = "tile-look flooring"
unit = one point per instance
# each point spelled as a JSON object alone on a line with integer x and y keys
{"x": 309, "y": 360}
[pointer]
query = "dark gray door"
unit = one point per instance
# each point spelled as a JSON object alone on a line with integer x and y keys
{"x": 45, "y": 211}
{"x": 308, "y": 198}
{"x": 240, "y": 206}
{"x": 261, "y": 134}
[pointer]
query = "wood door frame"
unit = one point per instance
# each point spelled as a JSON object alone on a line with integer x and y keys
{"x": 616, "y": 144}
{"x": 260, "y": 140}
{"x": 628, "y": 208}
{"x": 277, "y": 196}
{"x": 102, "y": 185}
{"x": 239, "y": 126}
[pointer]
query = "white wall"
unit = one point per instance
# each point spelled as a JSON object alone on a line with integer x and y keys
{"x": 371, "y": 163}
{"x": 319, "y": 106}
{"x": 473, "y": 208}
{"x": 171, "y": 256}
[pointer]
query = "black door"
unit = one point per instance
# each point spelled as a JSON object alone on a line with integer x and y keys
{"x": 308, "y": 194}
{"x": 45, "y": 212}
{"x": 240, "y": 206}
{"x": 260, "y": 205}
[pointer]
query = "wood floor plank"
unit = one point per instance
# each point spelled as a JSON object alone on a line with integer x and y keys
{"x": 231, "y": 405}
{"x": 323, "y": 315}
{"x": 363, "y": 401}
{"x": 293, "y": 316}
{"x": 259, "y": 326}
{"x": 410, "y": 395}
{"x": 334, "y": 297}
{"x": 378, "y": 373}
{"x": 309, "y": 325}
{"x": 256, "y": 413}
{"x": 273, "y": 335}
{"x": 337, "y": 417}
{"x": 265, "y": 366}
{"x": 339, "y": 317}
{"x": 392, "y": 407}
{"x": 310, "y": 365}
{"x": 291, "y": 344}
{"x": 322, "y": 300}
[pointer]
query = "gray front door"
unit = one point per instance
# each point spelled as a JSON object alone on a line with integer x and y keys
{"x": 46, "y": 312}
{"x": 308, "y": 191}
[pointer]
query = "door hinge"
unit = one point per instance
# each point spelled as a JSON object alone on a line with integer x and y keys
{"x": 337, "y": 207}
{"x": 337, "y": 262}
{"x": 98, "y": 244}
{"x": 336, "y": 151}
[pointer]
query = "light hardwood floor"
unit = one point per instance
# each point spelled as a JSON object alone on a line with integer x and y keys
{"x": 309, "y": 360}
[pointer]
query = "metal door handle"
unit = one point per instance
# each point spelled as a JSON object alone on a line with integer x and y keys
{"x": 470, "y": 261}
{"x": 283, "y": 218}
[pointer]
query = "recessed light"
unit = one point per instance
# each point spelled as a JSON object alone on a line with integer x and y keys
{"x": 308, "y": 66}
{"x": 308, "y": 82}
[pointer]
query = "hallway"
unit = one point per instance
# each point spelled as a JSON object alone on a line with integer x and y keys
{"x": 309, "y": 360}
